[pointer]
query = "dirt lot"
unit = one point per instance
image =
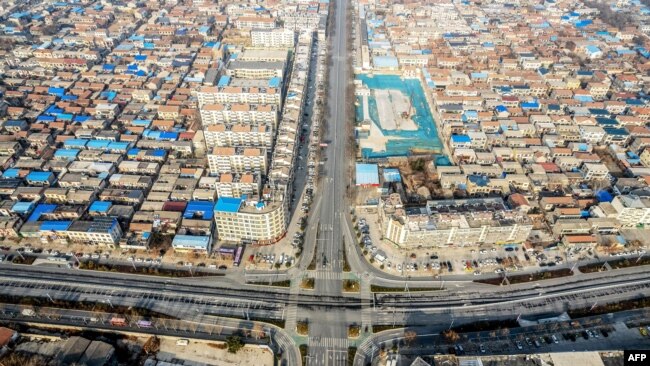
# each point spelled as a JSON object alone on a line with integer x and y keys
{"x": 210, "y": 353}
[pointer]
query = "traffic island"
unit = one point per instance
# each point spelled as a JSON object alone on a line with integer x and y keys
{"x": 145, "y": 270}
{"x": 302, "y": 327}
{"x": 615, "y": 264}
{"x": 377, "y": 288}
{"x": 354, "y": 331}
{"x": 351, "y": 286}
{"x": 523, "y": 278}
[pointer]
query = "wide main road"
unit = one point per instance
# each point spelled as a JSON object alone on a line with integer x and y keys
{"x": 328, "y": 332}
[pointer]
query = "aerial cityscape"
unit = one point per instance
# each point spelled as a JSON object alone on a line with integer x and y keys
{"x": 324, "y": 182}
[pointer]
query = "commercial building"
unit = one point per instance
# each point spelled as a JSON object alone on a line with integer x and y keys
{"x": 467, "y": 222}
{"x": 249, "y": 221}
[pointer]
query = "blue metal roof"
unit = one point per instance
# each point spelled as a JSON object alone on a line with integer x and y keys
{"x": 97, "y": 144}
{"x": 100, "y": 206}
{"x": 191, "y": 241}
{"x": 392, "y": 175}
{"x": 228, "y": 204}
{"x": 42, "y": 208}
{"x": 22, "y": 207}
{"x": 75, "y": 142}
{"x": 69, "y": 154}
{"x": 461, "y": 138}
{"x": 10, "y": 173}
{"x": 224, "y": 80}
{"x": 39, "y": 176}
{"x": 367, "y": 174}
{"x": 275, "y": 82}
{"x": 204, "y": 209}
{"x": 55, "y": 225}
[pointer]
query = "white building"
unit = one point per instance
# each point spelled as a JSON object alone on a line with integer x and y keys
{"x": 632, "y": 210}
{"x": 274, "y": 38}
{"x": 212, "y": 114}
{"x": 224, "y": 160}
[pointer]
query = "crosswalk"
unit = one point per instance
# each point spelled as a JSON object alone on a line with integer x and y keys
{"x": 327, "y": 275}
{"x": 292, "y": 309}
{"x": 329, "y": 343}
{"x": 366, "y": 311}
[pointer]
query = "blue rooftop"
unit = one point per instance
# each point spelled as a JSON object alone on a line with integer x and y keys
{"x": 367, "y": 174}
{"x": 191, "y": 241}
{"x": 22, "y": 207}
{"x": 461, "y": 138}
{"x": 392, "y": 175}
{"x": 39, "y": 176}
{"x": 75, "y": 142}
{"x": 42, "y": 208}
{"x": 203, "y": 209}
{"x": 10, "y": 173}
{"x": 228, "y": 204}
{"x": 100, "y": 206}
{"x": 55, "y": 225}
{"x": 275, "y": 82}
{"x": 224, "y": 80}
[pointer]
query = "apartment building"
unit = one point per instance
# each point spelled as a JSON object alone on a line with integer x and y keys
{"x": 238, "y": 95}
{"x": 238, "y": 135}
{"x": 595, "y": 171}
{"x": 237, "y": 185}
{"x": 632, "y": 210}
{"x": 253, "y": 55}
{"x": 273, "y": 38}
{"x": 255, "y": 69}
{"x": 255, "y": 23}
{"x": 224, "y": 160}
{"x": 251, "y": 114}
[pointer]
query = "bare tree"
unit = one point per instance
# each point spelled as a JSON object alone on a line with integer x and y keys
{"x": 450, "y": 336}
{"x": 410, "y": 336}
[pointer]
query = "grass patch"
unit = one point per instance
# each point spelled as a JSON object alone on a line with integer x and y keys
{"x": 352, "y": 351}
{"x": 377, "y": 288}
{"x": 285, "y": 283}
{"x": 486, "y": 325}
{"x": 308, "y": 283}
{"x": 304, "y": 351}
{"x": 351, "y": 286}
{"x": 354, "y": 330}
{"x": 150, "y": 271}
{"x": 346, "y": 264}
{"x": 383, "y": 327}
{"x": 523, "y": 278}
{"x": 640, "y": 303}
{"x": 615, "y": 264}
{"x": 25, "y": 259}
{"x": 312, "y": 264}
{"x": 302, "y": 327}
{"x": 277, "y": 322}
